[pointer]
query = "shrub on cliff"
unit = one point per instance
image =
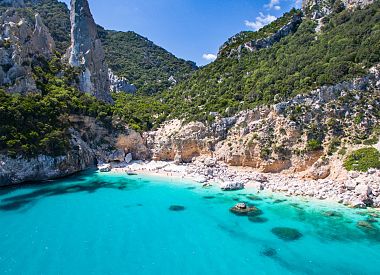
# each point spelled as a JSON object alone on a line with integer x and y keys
{"x": 363, "y": 159}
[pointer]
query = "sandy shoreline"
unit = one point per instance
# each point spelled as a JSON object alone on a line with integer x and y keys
{"x": 355, "y": 192}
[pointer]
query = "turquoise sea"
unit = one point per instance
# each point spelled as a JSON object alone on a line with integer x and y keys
{"x": 95, "y": 223}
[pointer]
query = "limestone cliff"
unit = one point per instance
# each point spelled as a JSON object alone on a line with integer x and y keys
{"x": 86, "y": 52}
{"x": 294, "y": 136}
{"x": 316, "y": 9}
{"x": 21, "y": 45}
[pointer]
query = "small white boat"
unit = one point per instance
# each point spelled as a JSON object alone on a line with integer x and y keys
{"x": 230, "y": 186}
{"x": 105, "y": 168}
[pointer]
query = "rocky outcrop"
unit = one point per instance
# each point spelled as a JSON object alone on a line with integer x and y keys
{"x": 20, "y": 46}
{"x": 91, "y": 142}
{"x": 43, "y": 42}
{"x": 317, "y": 9}
{"x": 21, "y": 169}
{"x": 120, "y": 84}
{"x": 257, "y": 44}
{"x": 86, "y": 52}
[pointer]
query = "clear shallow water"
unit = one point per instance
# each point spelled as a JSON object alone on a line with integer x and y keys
{"x": 112, "y": 224}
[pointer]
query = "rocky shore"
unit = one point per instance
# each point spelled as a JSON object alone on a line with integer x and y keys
{"x": 359, "y": 190}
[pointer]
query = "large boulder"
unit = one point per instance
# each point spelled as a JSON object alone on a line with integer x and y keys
{"x": 363, "y": 190}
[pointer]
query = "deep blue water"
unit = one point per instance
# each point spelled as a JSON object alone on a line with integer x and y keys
{"x": 112, "y": 224}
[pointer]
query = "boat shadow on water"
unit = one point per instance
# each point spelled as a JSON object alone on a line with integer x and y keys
{"x": 89, "y": 183}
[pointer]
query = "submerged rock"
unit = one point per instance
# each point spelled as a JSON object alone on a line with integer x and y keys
{"x": 257, "y": 219}
{"x": 255, "y": 212}
{"x": 269, "y": 252}
{"x": 176, "y": 208}
{"x": 332, "y": 214}
{"x": 365, "y": 225}
{"x": 287, "y": 233}
{"x": 254, "y": 198}
{"x": 209, "y": 197}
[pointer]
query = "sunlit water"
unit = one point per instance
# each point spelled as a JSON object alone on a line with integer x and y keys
{"x": 114, "y": 224}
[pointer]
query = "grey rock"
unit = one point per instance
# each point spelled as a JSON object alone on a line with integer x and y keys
{"x": 21, "y": 169}
{"x": 363, "y": 190}
{"x": 120, "y": 84}
{"x": 86, "y": 52}
{"x": 128, "y": 158}
{"x": 21, "y": 45}
{"x": 117, "y": 156}
{"x": 317, "y": 9}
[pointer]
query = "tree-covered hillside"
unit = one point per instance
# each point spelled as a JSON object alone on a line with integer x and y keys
{"x": 143, "y": 63}
{"x": 346, "y": 47}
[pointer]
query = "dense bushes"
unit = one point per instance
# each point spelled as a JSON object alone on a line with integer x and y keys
{"x": 37, "y": 123}
{"x": 363, "y": 159}
{"x": 142, "y": 113}
{"x": 142, "y": 62}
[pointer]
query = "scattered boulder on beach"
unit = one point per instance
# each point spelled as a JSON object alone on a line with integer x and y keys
{"x": 287, "y": 233}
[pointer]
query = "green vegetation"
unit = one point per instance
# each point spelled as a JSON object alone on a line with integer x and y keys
{"x": 314, "y": 145}
{"x": 35, "y": 124}
{"x": 142, "y": 113}
{"x": 346, "y": 47}
{"x": 363, "y": 159}
{"x": 247, "y": 36}
{"x": 141, "y": 62}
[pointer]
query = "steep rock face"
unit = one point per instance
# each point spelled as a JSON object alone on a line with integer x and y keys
{"x": 182, "y": 143}
{"x": 257, "y": 44}
{"x": 120, "y": 84}
{"x": 86, "y": 52}
{"x": 20, "y": 46}
{"x": 317, "y": 9}
{"x": 43, "y": 42}
{"x": 289, "y": 136}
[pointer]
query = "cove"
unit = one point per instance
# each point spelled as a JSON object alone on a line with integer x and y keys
{"x": 95, "y": 223}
